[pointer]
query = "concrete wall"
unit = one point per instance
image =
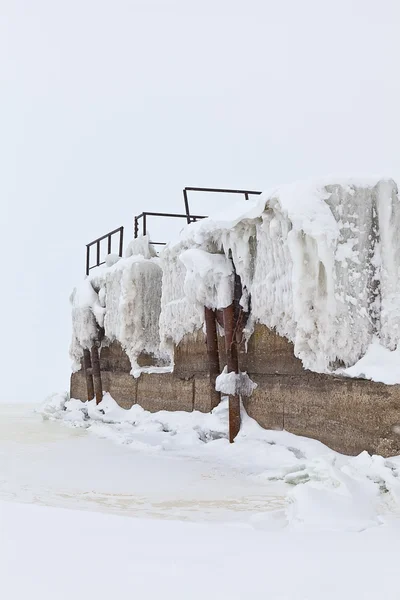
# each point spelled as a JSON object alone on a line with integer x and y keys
{"x": 349, "y": 415}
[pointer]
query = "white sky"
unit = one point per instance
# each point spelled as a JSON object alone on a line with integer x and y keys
{"x": 111, "y": 108}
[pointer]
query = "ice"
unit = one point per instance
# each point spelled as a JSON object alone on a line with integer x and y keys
{"x": 179, "y": 315}
{"x": 87, "y": 317}
{"x": 153, "y": 517}
{"x": 234, "y": 384}
{"x": 324, "y": 489}
{"x": 377, "y": 364}
{"x": 74, "y": 554}
{"x": 320, "y": 261}
{"x": 209, "y": 278}
{"x": 133, "y": 305}
{"x": 140, "y": 246}
{"x": 123, "y": 299}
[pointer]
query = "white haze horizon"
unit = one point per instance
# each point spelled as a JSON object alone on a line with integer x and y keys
{"x": 108, "y": 109}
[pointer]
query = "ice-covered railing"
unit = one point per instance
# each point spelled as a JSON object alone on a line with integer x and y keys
{"x": 121, "y": 301}
{"x": 320, "y": 261}
{"x": 142, "y": 218}
{"x": 97, "y": 244}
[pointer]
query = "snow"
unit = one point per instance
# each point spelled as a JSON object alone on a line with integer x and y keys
{"x": 125, "y": 299}
{"x": 319, "y": 263}
{"x": 377, "y": 364}
{"x": 70, "y": 554}
{"x": 87, "y": 317}
{"x": 324, "y": 489}
{"x": 179, "y": 315}
{"x": 140, "y": 246}
{"x": 319, "y": 259}
{"x": 209, "y": 278}
{"x": 162, "y": 508}
{"x": 234, "y": 384}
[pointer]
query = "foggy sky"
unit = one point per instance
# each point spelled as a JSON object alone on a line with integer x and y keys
{"x": 111, "y": 108}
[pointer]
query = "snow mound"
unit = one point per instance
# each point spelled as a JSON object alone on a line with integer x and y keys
{"x": 378, "y": 364}
{"x": 324, "y": 489}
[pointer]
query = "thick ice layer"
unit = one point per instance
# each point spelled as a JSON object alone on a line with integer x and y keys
{"x": 124, "y": 299}
{"x": 321, "y": 262}
{"x": 209, "y": 278}
{"x": 179, "y": 315}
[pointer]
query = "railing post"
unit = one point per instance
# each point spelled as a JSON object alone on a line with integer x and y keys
{"x": 87, "y": 259}
{"x": 98, "y": 252}
{"x": 121, "y": 241}
{"x": 109, "y": 244}
{"x": 98, "y": 386}
{"x": 185, "y": 199}
{"x": 144, "y": 224}
{"x": 87, "y": 366}
{"x": 232, "y": 365}
{"x": 136, "y": 228}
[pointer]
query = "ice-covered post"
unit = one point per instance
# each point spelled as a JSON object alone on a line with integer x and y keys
{"x": 87, "y": 366}
{"x": 232, "y": 364}
{"x": 212, "y": 353}
{"x": 98, "y": 386}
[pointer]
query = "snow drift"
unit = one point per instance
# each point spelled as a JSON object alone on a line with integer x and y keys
{"x": 323, "y": 489}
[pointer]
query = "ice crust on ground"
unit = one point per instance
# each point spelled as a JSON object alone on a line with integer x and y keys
{"x": 125, "y": 300}
{"x": 325, "y": 490}
{"x": 320, "y": 260}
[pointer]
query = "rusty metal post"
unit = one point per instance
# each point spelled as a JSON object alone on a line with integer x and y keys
{"x": 98, "y": 386}
{"x": 144, "y": 224}
{"x": 186, "y": 202}
{"x": 136, "y": 228}
{"x": 87, "y": 366}
{"x": 121, "y": 241}
{"x": 87, "y": 259}
{"x": 232, "y": 365}
{"x": 212, "y": 353}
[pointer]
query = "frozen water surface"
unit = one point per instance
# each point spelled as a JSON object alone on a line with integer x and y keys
{"x": 239, "y": 547}
{"x": 48, "y": 463}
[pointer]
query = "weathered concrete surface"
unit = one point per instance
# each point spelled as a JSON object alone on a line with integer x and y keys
{"x": 191, "y": 355}
{"x": 349, "y": 415}
{"x": 152, "y": 391}
{"x": 165, "y": 392}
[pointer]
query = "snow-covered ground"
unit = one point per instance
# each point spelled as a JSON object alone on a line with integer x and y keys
{"x": 274, "y": 515}
{"x": 44, "y": 462}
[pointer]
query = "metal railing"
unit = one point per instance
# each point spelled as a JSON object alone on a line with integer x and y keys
{"x": 189, "y": 217}
{"x": 97, "y": 243}
{"x": 143, "y": 216}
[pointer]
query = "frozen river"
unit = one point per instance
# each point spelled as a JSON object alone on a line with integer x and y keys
{"x": 48, "y": 552}
{"x": 49, "y": 463}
